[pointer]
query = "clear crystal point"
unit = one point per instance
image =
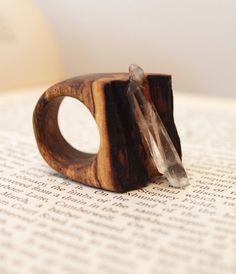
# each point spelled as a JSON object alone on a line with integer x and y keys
{"x": 161, "y": 148}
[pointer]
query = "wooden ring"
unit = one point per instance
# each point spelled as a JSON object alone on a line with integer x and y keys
{"x": 122, "y": 162}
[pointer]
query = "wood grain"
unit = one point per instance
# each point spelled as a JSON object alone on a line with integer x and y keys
{"x": 122, "y": 162}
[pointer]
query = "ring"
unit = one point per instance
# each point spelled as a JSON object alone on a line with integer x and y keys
{"x": 122, "y": 162}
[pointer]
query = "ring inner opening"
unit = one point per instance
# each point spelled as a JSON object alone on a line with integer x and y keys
{"x": 78, "y": 126}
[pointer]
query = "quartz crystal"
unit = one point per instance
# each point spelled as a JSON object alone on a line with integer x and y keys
{"x": 158, "y": 141}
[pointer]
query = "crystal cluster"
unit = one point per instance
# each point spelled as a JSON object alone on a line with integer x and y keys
{"x": 158, "y": 142}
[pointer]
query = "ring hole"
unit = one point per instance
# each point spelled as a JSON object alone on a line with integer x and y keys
{"x": 78, "y": 126}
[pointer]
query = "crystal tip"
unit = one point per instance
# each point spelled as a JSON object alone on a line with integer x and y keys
{"x": 136, "y": 74}
{"x": 180, "y": 183}
{"x": 177, "y": 176}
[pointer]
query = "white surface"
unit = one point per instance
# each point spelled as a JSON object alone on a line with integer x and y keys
{"x": 195, "y": 41}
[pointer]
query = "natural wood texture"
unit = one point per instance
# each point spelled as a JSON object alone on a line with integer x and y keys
{"x": 122, "y": 162}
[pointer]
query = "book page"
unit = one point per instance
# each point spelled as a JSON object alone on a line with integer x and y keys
{"x": 29, "y": 53}
{"x": 49, "y": 224}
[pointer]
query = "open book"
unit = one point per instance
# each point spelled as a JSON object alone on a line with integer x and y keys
{"x": 50, "y": 224}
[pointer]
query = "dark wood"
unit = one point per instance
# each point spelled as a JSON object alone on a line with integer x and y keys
{"x": 122, "y": 162}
